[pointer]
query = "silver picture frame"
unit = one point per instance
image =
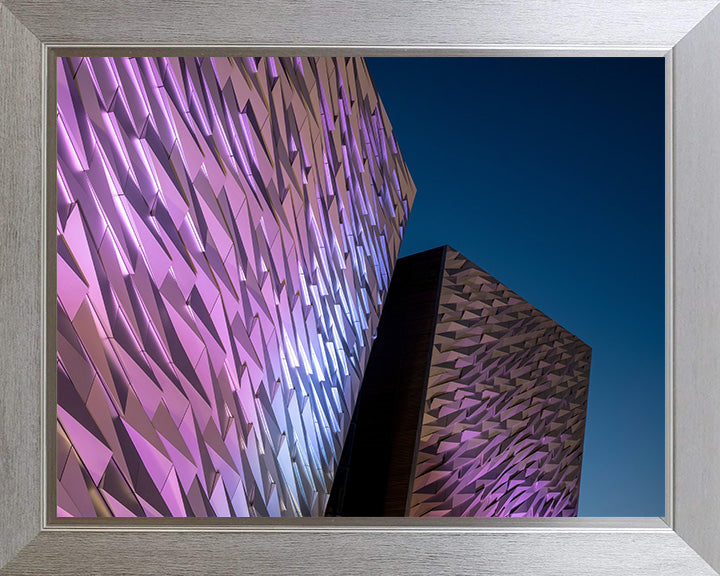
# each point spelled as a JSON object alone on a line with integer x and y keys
{"x": 686, "y": 33}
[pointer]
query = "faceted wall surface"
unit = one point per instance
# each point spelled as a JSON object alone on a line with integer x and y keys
{"x": 504, "y": 413}
{"x": 226, "y": 232}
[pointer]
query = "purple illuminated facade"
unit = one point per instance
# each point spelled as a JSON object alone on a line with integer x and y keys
{"x": 503, "y": 423}
{"x": 226, "y": 233}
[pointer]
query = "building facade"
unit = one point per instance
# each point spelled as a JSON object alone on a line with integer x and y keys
{"x": 226, "y": 233}
{"x": 488, "y": 411}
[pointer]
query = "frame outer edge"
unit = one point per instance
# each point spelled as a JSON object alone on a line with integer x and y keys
{"x": 398, "y": 554}
{"x": 20, "y": 284}
{"x": 696, "y": 114}
{"x": 370, "y": 22}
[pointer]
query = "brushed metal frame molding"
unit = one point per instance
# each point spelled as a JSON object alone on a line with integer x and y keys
{"x": 685, "y": 541}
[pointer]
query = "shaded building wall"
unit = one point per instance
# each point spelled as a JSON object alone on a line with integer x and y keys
{"x": 501, "y": 419}
{"x": 226, "y": 233}
{"x": 378, "y": 459}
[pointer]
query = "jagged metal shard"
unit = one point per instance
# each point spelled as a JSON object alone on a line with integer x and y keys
{"x": 226, "y": 231}
{"x": 504, "y": 414}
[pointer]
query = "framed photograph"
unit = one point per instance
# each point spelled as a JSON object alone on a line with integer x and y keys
{"x": 157, "y": 275}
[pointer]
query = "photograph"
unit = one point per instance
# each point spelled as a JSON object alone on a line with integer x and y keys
{"x": 363, "y": 287}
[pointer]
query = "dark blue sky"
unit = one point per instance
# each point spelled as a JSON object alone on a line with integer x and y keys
{"x": 549, "y": 174}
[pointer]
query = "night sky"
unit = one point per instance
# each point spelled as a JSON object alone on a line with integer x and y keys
{"x": 549, "y": 174}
